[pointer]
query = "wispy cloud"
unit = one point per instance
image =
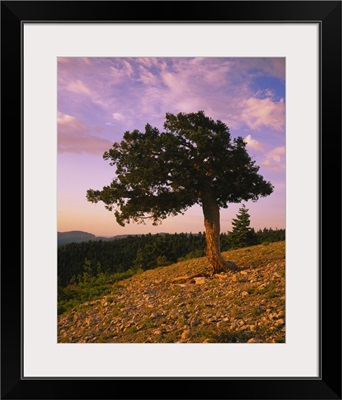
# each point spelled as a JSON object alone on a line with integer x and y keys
{"x": 78, "y": 87}
{"x": 275, "y": 159}
{"x": 75, "y": 137}
{"x": 264, "y": 66}
{"x": 254, "y": 144}
{"x": 258, "y": 113}
{"x": 147, "y": 77}
{"x": 129, "y": 92}
{"x": 121, "y": 71}
{"x": 277, "y": 153}
{"x": 118, "y": 116}
{"x": 272, "y": 165}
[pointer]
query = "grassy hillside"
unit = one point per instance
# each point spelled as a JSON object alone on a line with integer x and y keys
{"x": 164, "y": 306}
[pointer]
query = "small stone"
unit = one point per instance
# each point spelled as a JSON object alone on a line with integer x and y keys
{"x": 199, "y": 280}
{"x": 157, "y": 332}
{"x": 244, "y": 294}
{"x": 280, "y": 322}
{"x": 276, "y": 275}
{"x": 254, "y": 340}
{"x": 243, "y": 273}
{"x": 185, "y": 334}
{"x": 220, "y": 276}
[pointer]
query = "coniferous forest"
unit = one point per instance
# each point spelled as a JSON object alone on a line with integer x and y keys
{"x": 142, "y": 252}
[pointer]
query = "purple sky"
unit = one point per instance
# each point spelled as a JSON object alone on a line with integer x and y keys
{"x": 101, "y": 98}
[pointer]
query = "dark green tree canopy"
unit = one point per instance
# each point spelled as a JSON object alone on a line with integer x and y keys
{"x": 194, "y": 160}
{"x": 159, "y": 174}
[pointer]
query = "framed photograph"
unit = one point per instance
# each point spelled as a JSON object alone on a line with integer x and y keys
{"x": 171, "y": 199}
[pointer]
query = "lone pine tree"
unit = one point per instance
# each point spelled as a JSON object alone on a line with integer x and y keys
{"x": 242, "y": 234}
{"x": 193, "y": 161}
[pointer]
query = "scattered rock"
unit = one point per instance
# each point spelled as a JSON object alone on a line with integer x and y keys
{"x": 157, "y": 307}
{"x": 280, "y": 322}
{"x": 254, "y": 340}
{"x": 185, "y": 334}
{"x": 200, "y": 280}
{"x": 221, "y": 276}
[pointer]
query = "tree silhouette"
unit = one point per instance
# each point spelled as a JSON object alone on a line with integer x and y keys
{"x": 194, "y": 161}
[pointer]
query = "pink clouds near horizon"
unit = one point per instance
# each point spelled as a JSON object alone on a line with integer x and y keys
{"x": 75, "y": 137}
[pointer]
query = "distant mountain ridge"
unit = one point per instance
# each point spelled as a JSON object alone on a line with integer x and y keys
{"x": 80, "y": 236}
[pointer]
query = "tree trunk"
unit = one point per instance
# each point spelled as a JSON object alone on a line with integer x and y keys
{"x": 211, "y": 213}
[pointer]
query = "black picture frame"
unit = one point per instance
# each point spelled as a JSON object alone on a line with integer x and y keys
{"x": 328, "y": 15}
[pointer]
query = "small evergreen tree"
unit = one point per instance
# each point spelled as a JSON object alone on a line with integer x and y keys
{"x": 242, "y": 235}
{"x": 139, "y": 262}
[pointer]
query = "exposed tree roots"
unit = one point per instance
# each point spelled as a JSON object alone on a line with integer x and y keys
{"x": 228, "y": 266}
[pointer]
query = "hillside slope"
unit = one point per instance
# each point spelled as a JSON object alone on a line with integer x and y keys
{"x": 159, "y": 306}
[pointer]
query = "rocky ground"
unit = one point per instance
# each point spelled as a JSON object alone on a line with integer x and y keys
{"x": 158, "y": 306}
